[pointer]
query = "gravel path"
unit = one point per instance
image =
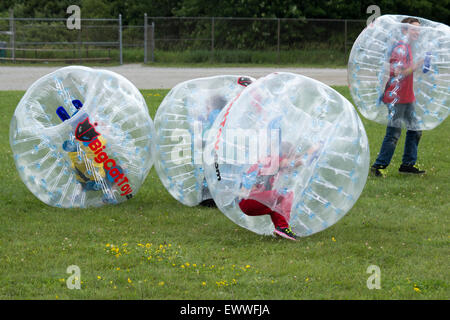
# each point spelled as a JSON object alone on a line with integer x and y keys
{"x": 143, "y": 77}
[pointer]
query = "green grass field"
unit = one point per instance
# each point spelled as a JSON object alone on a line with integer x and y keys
{"x": 153, "y": 247}
{"x": 311, "y": 57}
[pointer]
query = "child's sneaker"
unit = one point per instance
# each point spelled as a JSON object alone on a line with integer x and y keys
{"x": 208, "y": 203}
{"x": 285, "y": 233}
{"x": 378, "y": 171}
{"x": 412, "y": 169}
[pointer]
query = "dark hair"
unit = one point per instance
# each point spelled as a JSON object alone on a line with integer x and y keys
{"x": 217, "y": 102}
{"x": 410, "y": 20}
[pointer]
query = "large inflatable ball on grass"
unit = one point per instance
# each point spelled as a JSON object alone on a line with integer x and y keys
{"x": 292, "y": 144}
{"x": 181, "y": 123}
{"x": 82, "y": 137}
{"x": 399, "y": 72}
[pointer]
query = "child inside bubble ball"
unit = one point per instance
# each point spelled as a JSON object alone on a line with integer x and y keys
{"x": 399, "y": 98}
{"x": 261, "y": 179}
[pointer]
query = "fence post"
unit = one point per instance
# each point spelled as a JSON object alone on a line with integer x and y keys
{"x": 212, "y": 39}
{"x": 278, "y": 41}
{"x": 120, "y": 39}
{"x": 80, "y": 45}
{"x": 153, "y": 41}
{"x": 345, "y": 36}
{"x": 12, "y": 38}
{"x": 145, "y": 38}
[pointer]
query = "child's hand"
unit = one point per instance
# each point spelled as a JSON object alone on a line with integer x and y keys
{"x": 418, "y": 64}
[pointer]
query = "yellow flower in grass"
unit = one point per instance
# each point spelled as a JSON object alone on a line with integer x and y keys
{"x": 222, "y": 283}
{"x": 161, "y": 283}
{"x": 129, "y": 280}
{"x": 417, "y": 289}
{"x": 203, "y": 283}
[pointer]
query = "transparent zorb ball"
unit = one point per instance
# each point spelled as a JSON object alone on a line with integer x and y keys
{"x": 82, "y": 137}
{"x": 417, "y": 101}
{"x": 182, "y": 121}
{"x": 294, "y": 145}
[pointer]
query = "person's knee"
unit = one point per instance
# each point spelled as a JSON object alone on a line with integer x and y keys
{"x": 415, "y": 135}
{"x": 393, "y": 136}
{"x": 418, "y": 135}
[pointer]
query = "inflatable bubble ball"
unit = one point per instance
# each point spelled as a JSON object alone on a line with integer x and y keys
{"x": 182, "y": 121}
{"x": 289, "y": 150}
{"x": 82, "y": 137}
{"x": 399, "y": 72}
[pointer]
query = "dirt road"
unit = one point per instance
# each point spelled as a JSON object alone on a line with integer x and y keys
{"x": 144, "y": 77}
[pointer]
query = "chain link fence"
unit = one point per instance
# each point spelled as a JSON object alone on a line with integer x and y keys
{"x": 252, "y": 35}
{"x": 166, "y": 39}
{"x": 49, "y": 40}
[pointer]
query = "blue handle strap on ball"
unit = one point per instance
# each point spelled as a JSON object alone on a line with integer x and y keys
{"x": 62, "y": 114}
{"x": 426, "y": 63}
{"x": 78, "y": 104}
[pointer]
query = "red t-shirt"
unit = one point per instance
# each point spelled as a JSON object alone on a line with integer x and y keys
{"x": 402, "y": 90}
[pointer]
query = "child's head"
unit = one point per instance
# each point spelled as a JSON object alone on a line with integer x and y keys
{"x": 412, "y": 31}
{"x": 216, "y": 102}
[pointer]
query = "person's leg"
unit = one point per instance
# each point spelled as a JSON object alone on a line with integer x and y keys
{"x": 412, "y": 139}
{"x": 410, "y": 153}
{"x": 387, "y": 147}
{"x": 284, "y": 205}
{"x": 411, "y": 146}
{"x": 254, "y": 208}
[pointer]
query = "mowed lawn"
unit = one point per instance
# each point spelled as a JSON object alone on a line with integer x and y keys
{"x": 153, "y": 247}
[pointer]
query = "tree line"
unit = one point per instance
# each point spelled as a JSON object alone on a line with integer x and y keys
{"x": 133, "y": 10}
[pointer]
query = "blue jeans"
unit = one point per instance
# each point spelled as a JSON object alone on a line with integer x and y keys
{"x": 390, "y": 142}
